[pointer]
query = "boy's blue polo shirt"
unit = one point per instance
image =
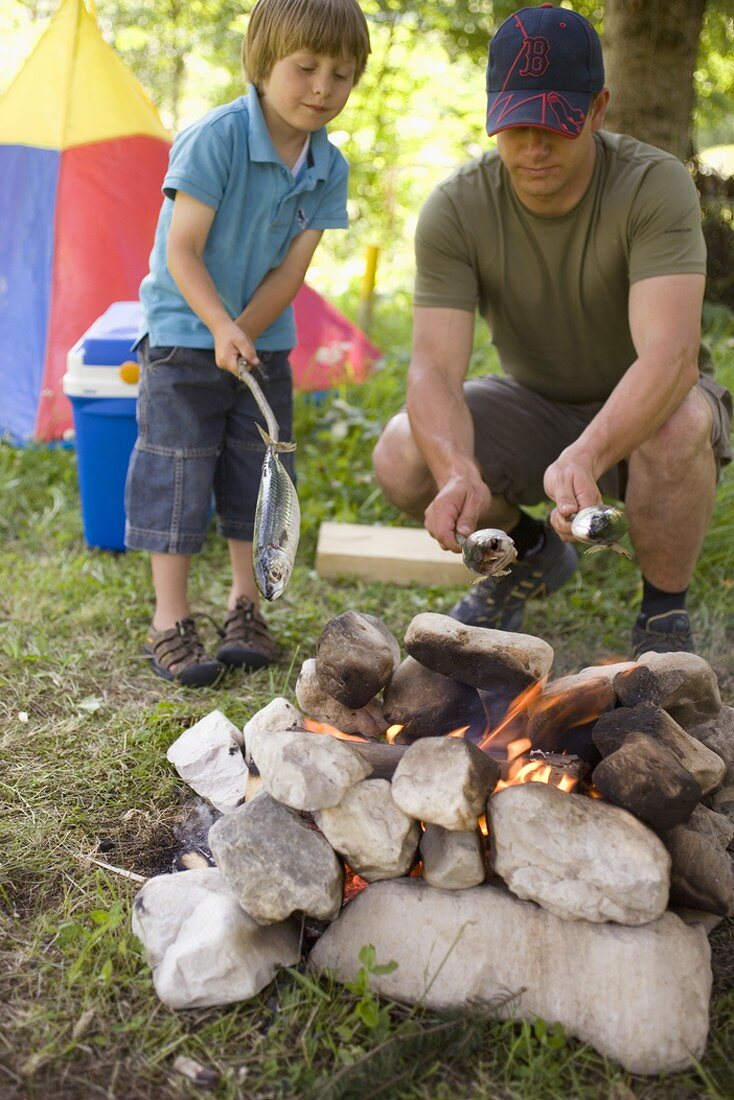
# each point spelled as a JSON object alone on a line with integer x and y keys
{"x": 227, "y": 160}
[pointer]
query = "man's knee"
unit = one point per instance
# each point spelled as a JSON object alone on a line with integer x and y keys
{"x": 684, "y": 437}
{"x": 399, "y": 467}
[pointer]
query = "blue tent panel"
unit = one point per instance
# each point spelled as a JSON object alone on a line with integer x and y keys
{"x": 28, "y": 183}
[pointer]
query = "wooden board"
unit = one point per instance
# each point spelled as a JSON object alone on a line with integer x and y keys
{"x": 398, "y": 555}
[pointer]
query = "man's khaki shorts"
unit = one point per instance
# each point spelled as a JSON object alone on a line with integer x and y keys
{"x": 518, "y": 434}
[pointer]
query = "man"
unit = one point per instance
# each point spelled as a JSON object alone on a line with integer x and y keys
{"x": 583, "y": 250}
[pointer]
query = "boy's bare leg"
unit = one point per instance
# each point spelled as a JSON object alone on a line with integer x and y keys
{"x": 171, "y": 584}
{"x": 670, "y": 495}
{"x": 243, "y": 576}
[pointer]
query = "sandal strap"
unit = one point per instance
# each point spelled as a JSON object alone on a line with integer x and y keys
{"x": 180, "y": 647}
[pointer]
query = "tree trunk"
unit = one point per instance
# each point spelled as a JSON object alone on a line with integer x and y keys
{"x": 650, "y": 51}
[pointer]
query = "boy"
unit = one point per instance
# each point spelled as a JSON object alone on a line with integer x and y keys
{"x": 248, "y": 192}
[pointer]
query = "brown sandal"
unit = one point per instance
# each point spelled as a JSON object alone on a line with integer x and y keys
{"x": 178, "y": 654}
{"x": 247, "y": 641}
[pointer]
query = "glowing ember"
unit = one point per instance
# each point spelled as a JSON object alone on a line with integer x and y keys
{"x": 353, "y": 883}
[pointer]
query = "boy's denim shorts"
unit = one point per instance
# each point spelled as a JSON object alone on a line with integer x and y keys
{"x": 197, "y": 434}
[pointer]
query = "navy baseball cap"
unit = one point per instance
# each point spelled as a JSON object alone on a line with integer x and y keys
{"x": 545, "y": 65}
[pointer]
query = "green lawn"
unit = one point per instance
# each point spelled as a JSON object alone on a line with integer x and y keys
{"x": 85, "y": 727}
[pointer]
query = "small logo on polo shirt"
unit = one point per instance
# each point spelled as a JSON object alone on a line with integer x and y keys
{"x": 301, "y": 218}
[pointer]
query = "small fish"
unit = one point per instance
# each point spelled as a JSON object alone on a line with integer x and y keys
{"x": 487, "y": 552}
{"x": 601, "y": 528}
{"x": 277, "y": 514}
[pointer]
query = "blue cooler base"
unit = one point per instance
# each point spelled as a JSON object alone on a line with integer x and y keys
{"x": 105, "y": 436}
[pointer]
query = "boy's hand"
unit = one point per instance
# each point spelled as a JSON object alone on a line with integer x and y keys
{"x": 231, "y": 342}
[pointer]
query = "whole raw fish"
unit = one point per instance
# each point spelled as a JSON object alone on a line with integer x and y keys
{"x": 277, "y": 514}
{"x": 487, "y": 552}
{"x": 600, "y": 527}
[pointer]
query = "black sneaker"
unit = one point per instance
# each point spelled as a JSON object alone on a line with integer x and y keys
{"x": 669, "y": 632}
{"x": 499, "y": 602}
{"x": 179, "y": 654}
{"x": 247, "y": 641}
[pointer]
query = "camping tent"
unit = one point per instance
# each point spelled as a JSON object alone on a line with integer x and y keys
{"x": 82, "y": 157}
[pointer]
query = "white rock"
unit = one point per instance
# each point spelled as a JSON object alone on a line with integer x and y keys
{"x": 452, "y": 860}
{"x": 445, "y": 781}
{"x": 279, "y": 714}
{"x": 578, "y": 857}
{"x": 208, "y": 756}
{"x": 202, "y": 946}
{"x": 639, "y": 995}
{"x": 306, "y": 771}
{"x": 375, "y": 837}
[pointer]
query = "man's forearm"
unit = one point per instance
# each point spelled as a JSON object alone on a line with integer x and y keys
{"x": 641, "y": 402}
{"x": 441, "y": 425}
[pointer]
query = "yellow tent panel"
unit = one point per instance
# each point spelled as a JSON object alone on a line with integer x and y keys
{"x": 74, "y": 89}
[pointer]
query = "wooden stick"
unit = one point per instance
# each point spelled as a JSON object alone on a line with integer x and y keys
{"x": 117, "y": 870}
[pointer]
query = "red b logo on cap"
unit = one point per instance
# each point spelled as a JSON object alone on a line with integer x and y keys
{"x": 535, "y": 52}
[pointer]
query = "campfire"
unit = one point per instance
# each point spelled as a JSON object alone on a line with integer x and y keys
{"x": 503, "y": 836}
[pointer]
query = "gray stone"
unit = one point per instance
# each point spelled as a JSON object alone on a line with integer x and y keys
{"x": 372, "y": 833}
{"x": 717, "y": 734}
{"x": 306, "y": 771}
{"x": 476, "y": 655}
{"x": 706, "y": 767}
{"x": 644, "y": 777}
{"x": 275, "y": 864}
{"x": 688, "y": 685}
{"x": 452, "y": 860}
{"x": 356, "y": 657}
{"x": 717, "y": 827}
{"x": 638, "y": 995}
{"x": 701, "y": 874}
{"x": 208, "y": 756}
{"x": 566, "y": 703}
{"x": 578, "y": 857}
{"x": 279, "y": 714}
{"x": 201, "y": 945}
{"x": 368, "y": 721}
{"x": 444, "y": 781}
{"x": 427, "y": 704}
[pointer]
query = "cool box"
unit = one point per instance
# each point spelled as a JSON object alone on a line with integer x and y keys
{"x": 101, "y": 381}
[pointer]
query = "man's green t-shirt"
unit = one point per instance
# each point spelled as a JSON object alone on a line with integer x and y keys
{"x": 554, "y": 290}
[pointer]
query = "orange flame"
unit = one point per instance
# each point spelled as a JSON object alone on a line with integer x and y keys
{"x": 522, "y": 702}
{"x": 459, "y": 732}
{"x": 325, "y": 727}
{"x": 392, "y": 732}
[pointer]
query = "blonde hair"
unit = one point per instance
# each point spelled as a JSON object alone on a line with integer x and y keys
{"x": 279, "y": 28}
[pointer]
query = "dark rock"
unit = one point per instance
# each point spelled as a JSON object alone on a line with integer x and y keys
{"x": 356, "y": 657}
{"x": 645, "y": 778}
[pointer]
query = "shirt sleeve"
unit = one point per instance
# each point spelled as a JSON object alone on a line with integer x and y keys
{"x": 200, "y": 164}
{"x": 665, "y": 231}
{"x": 331, "y": 213}
{"x": 445, "y": 273}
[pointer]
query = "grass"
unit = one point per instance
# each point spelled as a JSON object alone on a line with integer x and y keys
{"x": 84, "y": 728}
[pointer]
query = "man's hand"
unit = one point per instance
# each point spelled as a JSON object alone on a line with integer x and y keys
{"x": 570, "y": 482}
{"x": 232, "y": 341}
{"x": 457, "y": 507}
